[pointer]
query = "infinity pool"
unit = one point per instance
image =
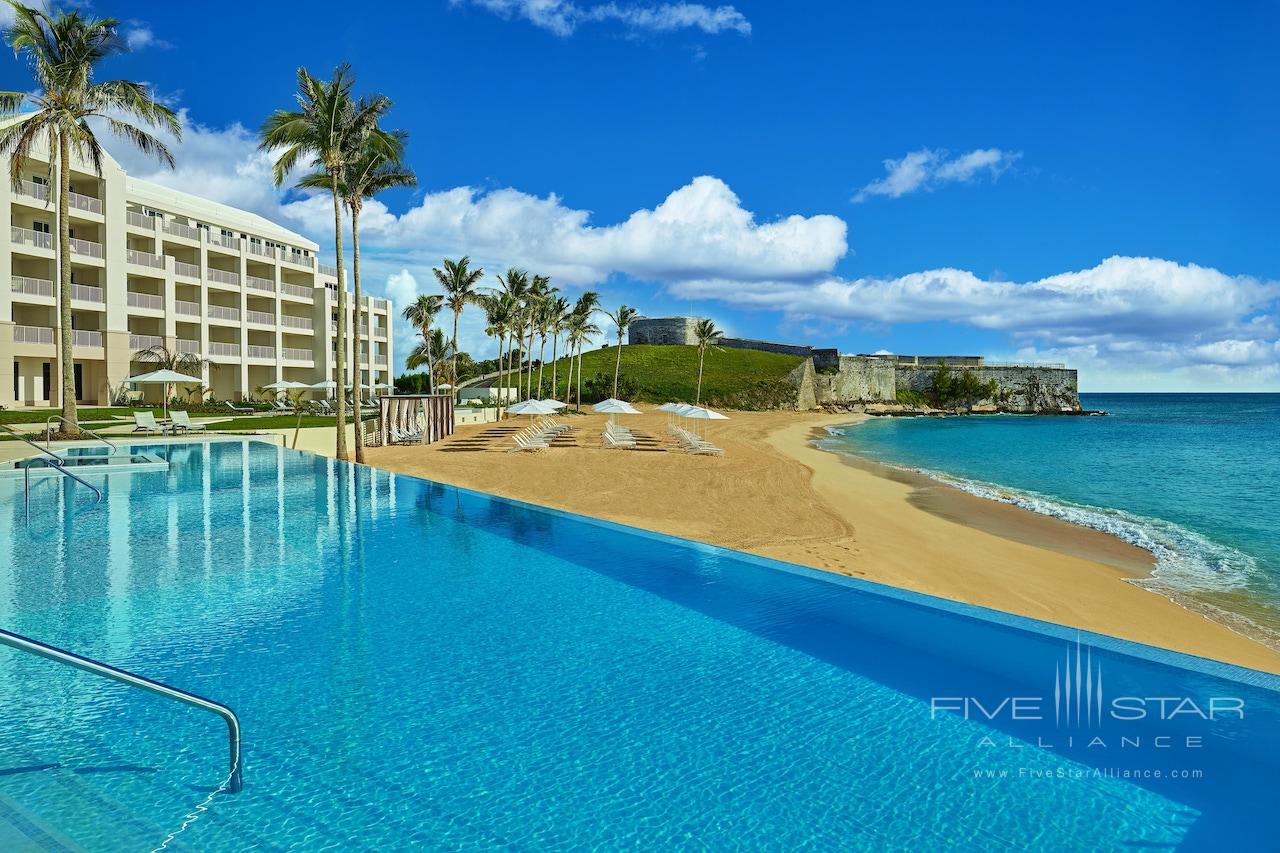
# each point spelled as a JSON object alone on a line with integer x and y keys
{"x": 418, "y": 665}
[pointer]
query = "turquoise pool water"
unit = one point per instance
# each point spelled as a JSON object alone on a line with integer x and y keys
{"x": 416, "y": 665}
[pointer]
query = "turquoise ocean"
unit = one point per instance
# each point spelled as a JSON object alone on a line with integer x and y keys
{"x": 1193, "y": 478}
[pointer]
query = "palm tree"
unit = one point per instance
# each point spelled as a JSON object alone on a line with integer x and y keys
{"x": 558, "y": 312}
{"x": 64, "y": 50}
{"x": 580, "y": 319}
{"x": 433, "y": 350}
{"x": 459, "y": 282}
{"x": 161, "y": 357}
{"x": 331, "y": 129}
{"x": 622, "y": 319}
{"x": 500, "y": 310}
{"x": 539, "y": 287}
{"x": 514, "y": 285}
{"x": 542, "y": 320}
{"x": 707, "y": 335}
{"x": 421, "y": 314}
{"x": 376, "y": 168}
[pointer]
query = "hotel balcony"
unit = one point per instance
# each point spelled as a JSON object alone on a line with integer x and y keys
{"x": 297, "y": 291}
{"x": 298, "y": 354}
{"x": 87, "y": 293}
{"x": 186, "y": 270}
{"x": 32, "y": 335}
{"x": 140, "y": 220}
{"x": 224, "y": 242}
{"x": 85, "y": 338}
{"x": 146, "y": 301}
{"x": 257, "y": 283}
{"x": 221, "y": 350}
{"x": 33, "y": 190}
{"x": 85, "y": 203}
{"x": 27, "y": 237}
{"x": 217, "y": 276}
{"x": 223, "y": 314}
{"x": 86, "y": 248}
{"x": 186, "y": 232}
{"x": 144, "y": 259}
{"x": 187, "y": 347}
{"x": 288, "y": 321}
{"x": 264, "y": 353}
{"x": 186, "y": 309}
{"x": 141, "y": 342}
{"x": 27, "y": 286}
{"x": 261, "y": 250}
{"x": 260, "y": 318}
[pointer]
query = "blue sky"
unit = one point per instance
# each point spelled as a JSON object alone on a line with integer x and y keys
{"x": 1092, "y": 183}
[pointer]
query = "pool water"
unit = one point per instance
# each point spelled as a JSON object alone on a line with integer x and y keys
{"x": 415, "y": 664}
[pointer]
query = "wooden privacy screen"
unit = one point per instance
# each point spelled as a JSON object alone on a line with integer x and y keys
{"x": 431, "y": 415}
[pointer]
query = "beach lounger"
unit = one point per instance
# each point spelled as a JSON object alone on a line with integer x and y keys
{"x": 617, "y": 442}
{"x": 524, "y": 442}
{"x": 281, "y": 406}
{"x": 244, "y": 410}
{"x": 146, "y": 422}
{"x": 182, "y": 421}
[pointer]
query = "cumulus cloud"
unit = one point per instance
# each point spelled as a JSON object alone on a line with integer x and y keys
{"x": 139, "y": 36}
{"x": 563, "y": 17}
{"x": 926, "y": 170}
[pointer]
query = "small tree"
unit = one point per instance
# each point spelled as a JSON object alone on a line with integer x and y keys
{"x": 707, "y": 336}
{"x": 622, "y": 318}
{"x": 942, "y": 387}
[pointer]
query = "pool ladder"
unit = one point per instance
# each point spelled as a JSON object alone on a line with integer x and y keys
{"x": 50, "y": 460}
{"x": 235, "y": 780}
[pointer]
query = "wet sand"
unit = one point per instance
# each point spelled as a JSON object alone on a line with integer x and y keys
{"x": 776, "y": 495}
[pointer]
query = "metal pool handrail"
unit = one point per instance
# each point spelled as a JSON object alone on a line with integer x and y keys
{"x": 50, "y": 460}
{"x": 235, "y": 781}
{"x": 48, "y": 432}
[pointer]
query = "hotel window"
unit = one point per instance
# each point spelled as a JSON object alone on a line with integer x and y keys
{"x": 154, "y": 214}
{"x": 42, "y": 227}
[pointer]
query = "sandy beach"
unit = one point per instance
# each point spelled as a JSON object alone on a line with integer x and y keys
{"x": 776, "y": 495}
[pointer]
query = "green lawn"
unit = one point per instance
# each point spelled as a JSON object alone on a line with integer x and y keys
{"x": 732, "y": 378}
{"x": 253, "y": 424}
{"x": 86, "y": 415}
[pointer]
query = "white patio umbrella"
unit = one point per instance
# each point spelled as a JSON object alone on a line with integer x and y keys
{"x": 700, "y": 413}
{"x": 670, "y": 409}
{"x": 165, "y": 378}
{"x": 286, "y": 385}
{"x": 532, "y": 408}
{"x": 613, "y": 407}
{"x": 555, "y": 404}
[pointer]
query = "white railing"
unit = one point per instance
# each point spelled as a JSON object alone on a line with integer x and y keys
{"x": 34, "y": 190}
{"x": 292, "y": 322}
{"x": 379, "y": 331}
{"x": 188, "y": 347}
{"x": 259, "y": 283}
{"x": 39, "y": 239}
{"x": 85, "y": 338}
{"x": 87, "y": 293}
{"x": 87, "y": 248}
{"x": 140, "y": 220}
{"x": 325, "y": 269}
{"x": 224, "y": 241}
{"x": 380, "y": 358}
{"x": 185, "y": 269}
{"x": 177, "y": 229}
{"x": 85, "y": 202}
{"x": 218, "y": 312}
{"x": 298, "y": 354}
{"x": 32, "y": 286}
{"x": 145, "y": 300}
{"x": 223, "y": 277}
{"x": 299, "y": 259}
{"x": 256, "y": 351}
{"x": 32, "y": 335}
{"x": 144, "y": 259}
{"x": 296, "y": 290}
{"x": 141, "y": 342}
{"x": 219, "y": 348}
{"x": 191, "y": 309}
{"x": 260, "y": 317}
{"x": 261, "y": 250}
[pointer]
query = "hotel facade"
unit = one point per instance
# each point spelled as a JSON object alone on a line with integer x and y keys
{"x": 151, "y": 266}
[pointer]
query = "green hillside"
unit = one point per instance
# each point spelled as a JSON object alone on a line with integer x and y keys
{"x": 732, "y": 378}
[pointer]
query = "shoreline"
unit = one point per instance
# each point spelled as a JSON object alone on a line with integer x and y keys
{"x": 778, "y": 495}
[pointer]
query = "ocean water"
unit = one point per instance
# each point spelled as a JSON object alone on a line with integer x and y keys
{"x": 421, "y": 667}
{"x": 1193, "y": 478}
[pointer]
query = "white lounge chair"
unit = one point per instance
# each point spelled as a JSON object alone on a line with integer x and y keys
{"x": 524, "y": 442}
{"x": 244, "y": 410}
{"x": 146, "y": 422}
{"x": 182, "y": 421}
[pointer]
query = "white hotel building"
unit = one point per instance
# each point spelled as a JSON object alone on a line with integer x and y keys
{"x": 151, "y": 265}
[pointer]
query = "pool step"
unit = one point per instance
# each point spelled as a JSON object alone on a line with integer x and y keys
{"x": 23, "y": 832}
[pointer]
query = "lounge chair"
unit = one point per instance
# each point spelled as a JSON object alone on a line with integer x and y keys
{"x": 244, "y": 410}
{"x": 182, "y": 421}
{"x": 613, "y": 441}
{"x": 524, "y": 442}
{"x": 146, "y": 422}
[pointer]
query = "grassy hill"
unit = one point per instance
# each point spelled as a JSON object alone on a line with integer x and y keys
{"x": 732, "y": 378}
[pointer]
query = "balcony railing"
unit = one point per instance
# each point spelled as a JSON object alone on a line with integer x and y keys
{"x": 32, "y": 335}
{"x": 31, "y": 189}
{"x": 39, "y": 239}
{"x": 300, "y": 259}
{"x": 217, "y": 348}
{"x": 31, "y": 286}
{"x": 218, "y": 312}
{"x": 185, "y": 269}
{"x": 291, "y": 322}
{"x": 259, "y": 283}
{"x": 145, "y": 300}
{"x": 380, "y": 359}
{"x": 296, "y": 290}
{"x": 298, "y": 354}
{"x": 140, "y": 220}
{"x": 88, "y": 248}
{"x": 188, "y": 347}
{"x": 260, "y": 317}
{"x": 261, "y": 250}
{"x": 190, "y": 309}
{"x": 178, "y": 229}
{"x": 224, "y": 241}
{"x": 85, "y": 202}
{"x": 325, "y": 269}
{"x": 379, "y": 331}
{"x": 256, "y": 351}
{"x": 223, "y": 277}
{"x": 144, "y": 259}
{"x": 87, "y": 293}
{"x": 141, "y": 342}
{"x": 85, "y": 338}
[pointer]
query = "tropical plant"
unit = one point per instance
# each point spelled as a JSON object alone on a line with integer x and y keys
{"x": 558, "y": 318}
{"x": 421, "y": 314}
{"x": 539, "y": 287}
{"x": 514, "y": 286}
{"x": 64, "y": 50}
{"x": 330, "y": 129}
{"x": 707, "y": 336}
{"x": 431, "y": 352}
{"x": 580, "y": 330}
{"x": 161, "y": 357}
{"x": 375, "y": 168}
{"x": 459, "y": 282}
{"x": 621, "y": 318}
{"x": 542, "y": 321}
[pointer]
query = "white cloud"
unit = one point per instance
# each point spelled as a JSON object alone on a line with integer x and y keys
{"x": 563, "y": 17}
{"x": 139, "y": 36}
{"x": 928, "y": 169}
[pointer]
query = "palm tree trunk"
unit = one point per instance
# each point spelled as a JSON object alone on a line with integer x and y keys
{"x": 340, "y": 362}
{"x": 701, "y": 355}
{"x": 542, "y": 363}
{"x": 454, "y": 359}
{"x": 359, "y": 336}
{"x": 579, "y": 377}
{"x": 555, "y": 344}
{"x": 503, "y": 344}
{"x": 431, "y": 361}
{"x": 617, "y": 366}
{"x": 70, "y": 420}
{"x": 528, "y": 383}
